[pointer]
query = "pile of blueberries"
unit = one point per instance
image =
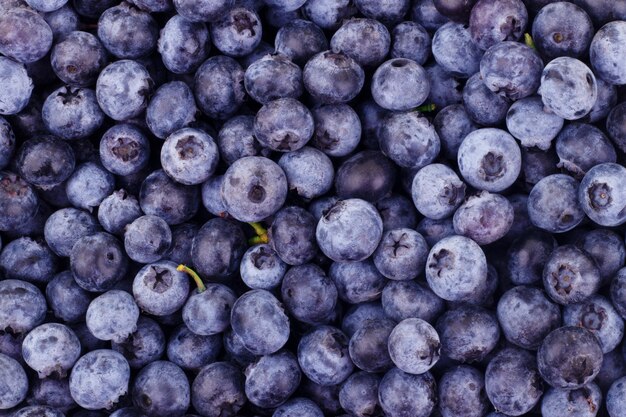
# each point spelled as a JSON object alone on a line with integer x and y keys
{"x": 309, "y": 208}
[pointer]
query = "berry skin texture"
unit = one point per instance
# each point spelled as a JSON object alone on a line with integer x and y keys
{"x": 414, "y": 346}
{"x": 400, "y": 84}
{"x": 606, "y": 52}
{"x": 18, "y": 87}
{"x": 132, "y": 98}
{"x": 160, "y": 289}
{"x": 570, "y": 275}
{"x": 333, "y": 78}
{"x": 553, "y": 204}
{"x": 602, "y": 196}
{"x": 189, "y": 156}
{"x": 51, "y": 349}
{"x": 24, "y": 35}
{"x": 616, "y": 398}
{"x": 13, "y": 381}
{"x": 484, "y": 218}
{"x": 401, "y": 394}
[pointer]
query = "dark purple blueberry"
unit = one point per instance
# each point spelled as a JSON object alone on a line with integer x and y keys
{"x": 172, "y": 107}
{"x": 410, "y": 40}
{"x": 512, "y": 381}
{"x": 118, "y": 210}
{"x": 437, "y": 191}
{"x": 14, "y": 100}
{"x": 207, "y": 312}
{"x": 182, "y": 241}
{"x": 452, "y": 124}
{"x": 402, "y": 395}
{"x": 65, "y": 227}
{"x": 183, "y": 44}
{"x": 570, "y": 275}
{"x": 484, "y": 217}
{"x": 98, "y": 262}
{"x": 160, "y": 289}
{"x": 333, "y": 78}
{"x": 562, "y": 29}
{"x": 272, "y": 379}
{"x": 367, "y": 41}
{"x": 218, "y": 390}
{"x": 127, "y": 32}
{"x": 217, "y": 248}
{"x": 615, "y": 125}
{"x": 414, "y": 346}
{"x": 24, "y": 35}
{"x": 493, "y": 22}
{"x": 62, "y": 21}
{"x": 308, "y": 294}
{"x": 367, "y": 175}
{"x": 323, "y": 355}
{"x": 237, "y": 32}
{"x": 66, "y": 299}
{"x": 173, "y": 202}
{"x": 272, "y": 77}
{"x": 191, "y": 351}
{"x": 283, "y": 125}
{"x": 455, "y": 51}
{"x": 397, "y": 211}
{"x": 329, "y": 16}
{"x": 359, "y": 394}
{"x": 144, "y": 345}
{"x": 94, "y": 389}
{"x": 22, "y": 306}
{"x": 161, "y": 388}
{"x": 219, "y": 87}
{"x": 359, "y": 314}
{"x": 112, "y": 316}
{"x": 602, "y": 196}
{"x": 52, "y": 392}
{"x": 426, "y": 14}
{"x": 78, "y": 58}
{"x": 291, "y": 235}
{"x": 407, "y": 299}
{"x": 28, "y": 259}
{"x": 605, "y": 52}
{"x": 462, "y": 393}
{"x": 435, "y": 230}
{"x": 14, "y": 382}
{"x": 357, "y": 282}
{"x": 45, "y": 161}
{"x": 582, "y": 402}
{"x": 569, "y": 357}
{"x": 597, "y": 315}
{"x": 456, "y": 268}
{"x": 607, "y": 248}
{"x": 368, "y": 346}
{"x": 300, "y": 40}
{"x": 400, "y": 84}
{"x": 527, "y": 256}
{"x": 7, "y": 142}
{"x": 573, "y": 144}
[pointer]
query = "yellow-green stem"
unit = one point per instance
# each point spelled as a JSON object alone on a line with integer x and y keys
{"x": 425, "y": 108}
{"x": 528, "y": 40}
{"x": 261, "y": 236}
{"x": 194, "y": 275}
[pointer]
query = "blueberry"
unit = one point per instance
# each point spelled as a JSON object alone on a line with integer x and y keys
{"x": 410, "y": 40}
{"x": 272, "y": 379}
{"x": 13, "y": 381}
{"x": 163, "y": 197}
{"x": 414, "y": 346}
{"x": 98, "y": 262}
{"x": 217, "y": 248}
{"x": 407, "y": 299}
{"x": 568, "y": 88}
{"x": 160, "y": 289}
{"x": 62, "y": 21}
{"x": 388, "y": 12}
{"x": 37, "y": 411}
{"x": 124, "y": 149}
{"x": 456, "y": 267}
{"x": 357, "y": 282}
{"x": 562, "y": 29}
{"x": 161, "y": 388}
{"x": 308, "y": 294}
{"x": 349, "y": 231}
{"x": 218, "y": 390}
{"x": 89, "y": 185}
{"x": 468, "y": 333}
{"x": 618, "y": 292}
{"x": 192, "y": 351}
{"x": 207, "y": 311}
{"x": 45, "y": 161}
{"x": 337, "y": 129}
{"x": 153, "y": 5}
{"x": 601, "y": 195}
{"x": 604, "y": 53}
{"x": 172, "y": 107}
{"x": 298, "y": 407}
{"x": 72, "y": 113}
{"x": 183, "y": 44}
{"x": 367, "y": 41}
{"x": 323, "y": 355}
{"x": 262, "y": 268}
{"x": 219, "y": 87}
{"x": 512, "y": 381}
{"x": 484, "y": 217}
{"x": 615, "y": 403}
{"x": 237, "y": 32}
{"x": 569, "y": 357}
{"x": 309, "y": 172}
{"x": 435, "y": 230}
{"x": 597, "y": 315}
{"x": 51, "y": 349}
{"x": 66, "y": 299}
{"x": 583, "y": 402}
{"x": 13, "y": 100}
{"x": 202, "y": 10}
{"x": 53, "y": 393}
{"x": 333, "y": 78}
{"x": 292, "y": 234}
{"x": 368, "y": 345}
{"x": 236, "y": 139}
{"x": 300, "y": 40}
{"x": 283, "y": 125}
{"x": 527, "y": 256}
{"x": 22, "y": 306}
{"x": 65, "y": 227}
{"x": 368, "y": 175}
{"x": 462, "y": 393}
{"x": 358, "y": 394}
{"x": 482, "y": 105}
{"x": 189, "y": 156}
{"x": 272, "y": 77}
{"x": 253, "y": 188}
{"x": 606, "y": 247}
{"x": 122, "y": 89}
{"x": 46, "y": 6}
{"x": 326, "y": 397}
{"x": 409, "y": 139}
{"x": 489, "y": 159}
{"x": 28, "y": 259}
{"x": 24, "y": 35}
{"x": 400, "y": 84}
{"x": 94, "y": 389}
{"x": 118, "y": 210}
{"x": 452, "y": 124}
{"x": 491, "y": 23}
{"x": 613, "y": 367}
{"x": 553, "y": 204}
{"x": 605, "y": 101}
{"x": 437, "y": 191}
{"x": 329, "y": 15}
{"x": 234, "y": 349}
{"x": 531, "y": 124}
{"x": 512, "y": 70}
{"x": 572, "y": 146}
{"x": 397, "y": 211}
{"x": 401, "y": 254}
{"x": 144, "y": 345}
{"x": 359, "y": 314}
{"x": 401, "y": 394}
{"x": 112, "y": 316}
{"x": 570, "y": 275}
{"x": 263, "y": 333}
{"x": 454, "y": 50}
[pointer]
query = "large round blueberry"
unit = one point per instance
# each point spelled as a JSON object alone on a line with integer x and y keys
{"x": 51, "y": 349}
{"x": 368, "y": 346}
{"x": 606, "y": 52}
{"x": 401, "y": 254}
{"x": 172, "y": 107}
{"x": 112, "y": 316}
{"x": 237, "y": 32}
{"x": 366, "y": 41}
{"x": 573, "y": 144}
{"x": 455, "y": 51}
{"x": 22, "y": 306}
{"x": 273, "y": 77}
{"x": 161, "y": 388}
{"x": 272, "y": 379}
{"x": 570, "y": 275}
{"x": 493, "y": 22}
{"x": 532, "y": 124}
{"x": 283, "y": 125}
{"x": 414, "y": 346}
{"x": 13, "y": 382}
{"x": 45, "y": 161}
{"x": 598, "y": 315}
{"x": 602, "y": 196}
{"x": 401, "y": 394}
{"x": 160, "y": 289}
{"x": 400, "y": 84}
{"x": 218, "y": 390}
{"x": 146, "y": 344}
{"x": 292, "y": 235}
{"x": 553, "y": 204}
{"x": 173, "y": 202}
{"x": 219, "y": 87}
{"x": 124, "y": 149}
{"x": 24, "y": 35}
{"x": 582, "y": 402}
{"x": 309, "y": 295}
{"x": 368, "y": 175}
{"x": 462, "y": 392}
{"x": 123, "y": 88}
{"x": 13, "y": 100}
{"x": 217, "y": 248}
{"x": 128, "y": 32}
{"x": 78, "y": 58}
{"x": 183, "y": 44}
{"x": 189, "y": 156}
{"x": 333, "y": 78}
{"x": 207, "y": 312}
{"x": 323, "y": 355}
{"x": 485, "y": 217}
{"x": 405, "y": 299}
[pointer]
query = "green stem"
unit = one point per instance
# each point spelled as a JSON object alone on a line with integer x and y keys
{"x": 425, "y": 108}
{"x": 194, "y": 275}
{"x": 261, "y": 236}
{"x": 528, "y": 40}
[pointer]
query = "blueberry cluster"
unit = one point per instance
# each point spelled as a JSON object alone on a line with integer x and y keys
{"x": 309, "y": 208}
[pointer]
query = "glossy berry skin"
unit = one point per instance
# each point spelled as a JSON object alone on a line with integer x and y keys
{"x": 130, "y": 100}
{"x": 570, "y": 275}
{"x": 414, "y": 346}
{"x": 308, "y": 294}
{"x": 322, "y": 75}
{"x": 615, "y": 403}
{"x": 572, "y": 146}
{"x": 160, "y": 289}
{"x": 601, "y": 195}
{"x": 272, "y": 77}
{"x": 604, "y": 52}
{"x": 292, "y": 235}
{"x": 127, "y": 32}
{"x": 468, "y": 333}
{"x": 402, "y": 395}
{"x": 218, "y": 390}
{"x": 482, "y": 105}
{"x": 597, "y": 315}
{"x": 489, "y": 159}
{"x": 410, "y": 40}
{"x": 368, "y": 175}
{"x": 337, "y": 129}
{"x": 178, "y": 54}
{"x": 300, "y": 40}
{"x": 401, "y": 254}
{"x": 607, "y": 248}
{"x": 455, "y": 51}
{"x": 456, "y": 267}
{"x": 25, "y": 36}
{"x": 172, "y": 107}
{"x": 553, "y": 204}
{"x": 217, "y": 248}
{"x": 51, "y": 349}
{"x": 218, "y": 87}
{"x": 98, "y": 262}
{"x": 173, "y": 202}
{"x": 237, "y": 32}
{"x": 400, "y": 84}
{"x": 191, "y": 351}
{"x": 118, "y": 210}
{"x": 569, "y": 357}
{"x": 23, "y": 306}
{"x": 272, "y": 379}
{"x": 484, "y": 217}
{"x": 14, "y": 98}
{"x": 261, "y": 334}
{"x": 512, "y": 382}
{"x": 409, "y": 139}
{"x": 511, "y": 69}
{"x": 462, "y": 393}
{"x": 161, "y": 388}
{"x": 368, "y": 345}
{"x": 14, "y": 382}
{"x": 78, "y": 58}
{"x": 323, "y": 356}
{"x": 349, "y": 231}
{"x": 568, "y": 88}
{"x": 144, "y": 345}
{"x": 93, "y": 390}
{"x": 112, "y": 316}
{"x": 45, "y": 161}
{"x": 544, "y": 128}
{"x": 491, "y": 23}
{"x": 208, "y": 312}
{"x": 526, "y": 316}
{"x": 124, "y": 149}
{"x": 261, "y": 267}
{"x": 367, "y": 41}
{"x": 309, "y": 172}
